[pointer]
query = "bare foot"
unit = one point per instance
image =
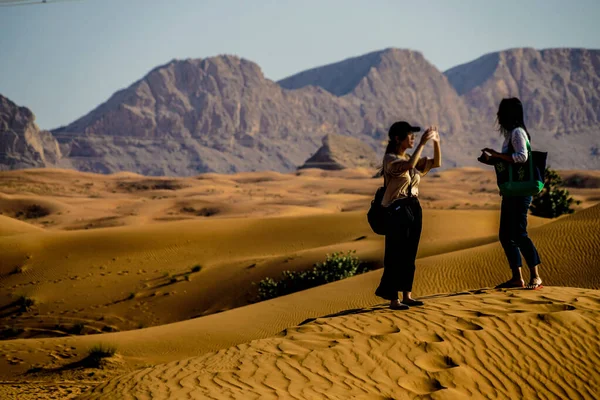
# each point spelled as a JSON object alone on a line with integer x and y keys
{"x": 535, "y": 283}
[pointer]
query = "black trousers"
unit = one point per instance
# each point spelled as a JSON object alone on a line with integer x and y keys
{"x": 401, "y": 245}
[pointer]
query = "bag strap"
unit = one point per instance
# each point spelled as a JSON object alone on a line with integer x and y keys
{"x": 511, "y": 150}
{"x": 411, "y": 174}
{"x": 529, "y": 158}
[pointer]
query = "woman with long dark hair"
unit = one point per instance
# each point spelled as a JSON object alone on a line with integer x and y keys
{"x": 513, "y": 211}
{"x": 402, "y": 174}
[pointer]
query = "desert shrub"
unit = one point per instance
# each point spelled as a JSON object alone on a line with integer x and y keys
{"x": 25, "y": 303}
{"x": 337, "y": 266}
{"x": 582, "y": 181}
{"x": 150, "y": 185}
{"x": 11, "y": 332}
{"x": 19, "y": 269}
{"x": 553, "y": 201}
{"x": 32, "y": 212}
{"x": 99, "y": 352}
{"x": 203, "y": 212}
{"x": 196, "y": 268}
{"x": 77, "y": 329}
{"x": 108, "y": 328}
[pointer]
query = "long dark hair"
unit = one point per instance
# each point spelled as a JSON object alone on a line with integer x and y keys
{"x": 391, "y": 146}
{"x": 394, "y": 132}
{"x": 510, "y": 116}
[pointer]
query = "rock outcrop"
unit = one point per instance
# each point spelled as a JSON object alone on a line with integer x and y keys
{"x": 22, "y": 144}
{"x": 341, "y": 152}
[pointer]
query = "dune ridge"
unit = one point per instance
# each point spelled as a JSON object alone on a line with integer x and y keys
{"x": 492, "y": 344}
{"x": 455, "y": 271}
{"x": 132, "y": 286}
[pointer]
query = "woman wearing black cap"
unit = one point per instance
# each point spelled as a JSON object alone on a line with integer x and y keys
{"x": 402, "y": 174}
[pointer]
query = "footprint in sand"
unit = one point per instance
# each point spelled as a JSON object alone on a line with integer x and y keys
{"x": 589, "y": 302}
{"x": 527, "y": 305}
{"x": 463, "y": 325}
{"x": 420, "y": 385}
{"x": 381, "y": 330}
{"x": 434, "y": 362}
{"x": 428, "y": 337}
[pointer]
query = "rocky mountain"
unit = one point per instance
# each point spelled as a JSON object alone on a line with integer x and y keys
{"x": 221, "y": 114}
{"x": 218, "y": 114}
{"x": 22, "y": 144}
{"x": 390, "y": 85}
{"x": 340, "y": 152}
{"x": 560, "y": 91}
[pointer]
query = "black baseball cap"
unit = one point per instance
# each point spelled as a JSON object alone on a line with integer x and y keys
{"x": 402, "y": 128}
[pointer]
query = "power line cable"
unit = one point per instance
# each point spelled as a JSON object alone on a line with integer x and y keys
{"x": 15, "y": 3}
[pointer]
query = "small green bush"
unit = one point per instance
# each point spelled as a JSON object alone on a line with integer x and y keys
{"x": 552, "y": 201}
{"x": 19, "y": 269}
{"x": 25, "y": 303}
{"x": 10, "y": 332}
{"x": 197, "y": 268}
{"x": 32, "y": 212}
{"x": 77, "y": 329}
{"x": 337, "y": 266}
{"x": 98, "y": 353}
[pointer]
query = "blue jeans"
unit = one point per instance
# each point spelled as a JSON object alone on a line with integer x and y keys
{"x": 513, "y": 232}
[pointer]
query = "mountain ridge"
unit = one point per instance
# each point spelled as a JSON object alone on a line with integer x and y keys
{"x": 221, "y": 114}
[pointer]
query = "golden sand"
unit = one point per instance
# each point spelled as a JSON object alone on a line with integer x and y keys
{"x": 113, "y": 259}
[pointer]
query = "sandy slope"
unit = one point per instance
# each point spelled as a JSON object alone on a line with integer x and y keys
{"x": 482, "y": 266}
{"x": 10, "y": 226}
{"x": 75, "y": 200}
{"x": 133, "y": 275}
{"x": 492, "y": 344}
{"x": 498, "y": 344}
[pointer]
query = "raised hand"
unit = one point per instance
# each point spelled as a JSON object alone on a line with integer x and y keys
{"x": 436, "y": 136}
{"x": 429, "y": 134}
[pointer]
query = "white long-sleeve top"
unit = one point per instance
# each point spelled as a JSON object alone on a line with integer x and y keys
{"x": 518, "y": 138}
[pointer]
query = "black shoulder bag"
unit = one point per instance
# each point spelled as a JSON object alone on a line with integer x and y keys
{"x": 380, "y": 218}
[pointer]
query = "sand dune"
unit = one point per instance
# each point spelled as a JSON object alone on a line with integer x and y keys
{"x": 11, "y": 226}
{"x": 519, "y": 331}
{"x": 492, "y": 344}
{"x": 139, "y": 276}
{"x": 116, "y": 254}
{"x": 179, "y": 341}
{"x": 77, "y": 201}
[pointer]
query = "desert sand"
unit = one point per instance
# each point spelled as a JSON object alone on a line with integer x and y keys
{"x": 163, "y": 269}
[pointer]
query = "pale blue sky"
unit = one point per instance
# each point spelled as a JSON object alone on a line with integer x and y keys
{"x": 64, "y": 59}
